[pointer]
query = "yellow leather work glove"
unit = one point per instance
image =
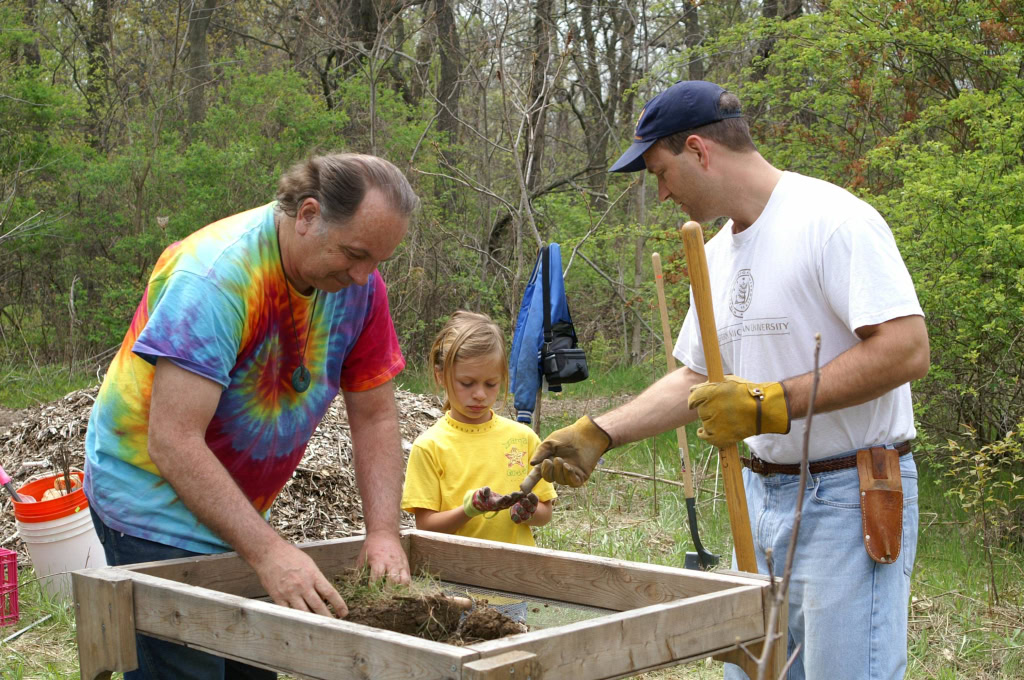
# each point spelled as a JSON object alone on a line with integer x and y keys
{"x": 569, "y": 455}
{"x": 735, "y": 409}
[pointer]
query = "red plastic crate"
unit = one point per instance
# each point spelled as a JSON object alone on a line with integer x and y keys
{"x": 8, "y": 587}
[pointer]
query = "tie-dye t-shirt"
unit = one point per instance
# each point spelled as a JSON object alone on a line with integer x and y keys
{"x": 217, "y": 305}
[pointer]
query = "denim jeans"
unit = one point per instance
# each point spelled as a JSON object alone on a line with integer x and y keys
{"x": 158, "y": 659}
{"x": 848, "y": 613}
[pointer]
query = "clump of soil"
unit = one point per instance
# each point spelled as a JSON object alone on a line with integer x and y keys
{"x": 487, "y": 623}
{"x": 433, "y": 617}
{"x": 422, "y": 610}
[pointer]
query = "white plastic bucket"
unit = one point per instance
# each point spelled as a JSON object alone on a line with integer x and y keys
{"x": 61, "y": 538}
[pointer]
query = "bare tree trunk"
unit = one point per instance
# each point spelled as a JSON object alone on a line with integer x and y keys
{"x": 533, "y": 154}
{"x": 97, "y": 42}
{"x": 606, "y": 64}
{"x": 198, "y": 64}
{"x": 448, "y": 83}
{"x": 769, "y": 10}
{"x": 424, "y": 52}
{"x": 31, "y": 49}
{"x": 640, "y": 197}
{"x": 448, "y": 88}
{"x": 692, "y": 39}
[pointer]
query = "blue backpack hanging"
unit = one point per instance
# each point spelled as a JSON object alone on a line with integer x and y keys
{"x": 544, "y": 336}
{"x": 562, "y": 359}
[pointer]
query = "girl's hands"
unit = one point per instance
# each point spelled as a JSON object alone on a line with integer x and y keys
{"x": 484, "y": 500}
{"x": 524, "y": 508}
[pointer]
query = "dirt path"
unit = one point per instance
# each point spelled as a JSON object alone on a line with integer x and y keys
{"x": 10, "y": 415}
{"x": 570, "y": 407}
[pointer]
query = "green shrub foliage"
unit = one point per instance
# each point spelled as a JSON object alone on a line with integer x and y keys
{"x": 913, "y": 105}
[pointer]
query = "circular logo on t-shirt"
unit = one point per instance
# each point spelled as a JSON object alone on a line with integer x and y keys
{"x": 742, "y": 292}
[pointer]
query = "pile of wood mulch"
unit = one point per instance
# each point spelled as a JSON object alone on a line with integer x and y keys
{"x": 320, "y": 502}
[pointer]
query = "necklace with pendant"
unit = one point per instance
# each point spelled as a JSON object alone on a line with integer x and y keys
{"x": 300, "y": 376}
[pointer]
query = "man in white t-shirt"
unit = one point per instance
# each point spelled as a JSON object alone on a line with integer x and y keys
{"x": 797, "y": 257}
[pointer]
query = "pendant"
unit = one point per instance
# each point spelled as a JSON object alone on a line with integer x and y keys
{"x": 300, "y": 378}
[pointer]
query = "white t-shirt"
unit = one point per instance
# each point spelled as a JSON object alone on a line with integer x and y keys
{"x": 817, "y": 259}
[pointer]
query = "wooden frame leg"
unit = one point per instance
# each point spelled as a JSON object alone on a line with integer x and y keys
{"x": 105, "y": 622}
{"x": 780, "y": 646}
{"x": 517, "y": 665}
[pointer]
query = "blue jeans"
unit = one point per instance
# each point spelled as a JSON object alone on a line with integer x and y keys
{"x": 848, "y": 612}
{"x": 158, "y": 659}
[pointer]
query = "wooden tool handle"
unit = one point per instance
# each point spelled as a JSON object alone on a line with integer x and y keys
{"x": 670, "y": 365}
{"x": 736, "y": 499}
{"x": 531, "y": 480}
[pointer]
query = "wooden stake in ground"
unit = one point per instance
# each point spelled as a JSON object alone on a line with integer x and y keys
{"x": 701, "y": 559}
{"x": 736, "y": 499}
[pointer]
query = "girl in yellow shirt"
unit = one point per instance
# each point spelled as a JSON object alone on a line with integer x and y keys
{"x": 463, "y": 469}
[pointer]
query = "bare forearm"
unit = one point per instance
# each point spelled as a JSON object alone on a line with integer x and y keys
{"x": 542, "y": 516}
{"x": 895, "y": 353}
{"x": 446, "y": 521}
{"x": 377, "y": 454}
{"x": 659, "y": 408}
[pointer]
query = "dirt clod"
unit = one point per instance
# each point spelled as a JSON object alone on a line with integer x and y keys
{"x": 422, "y": 609}
{"x": 432, "y": 617}
{"x": 485, "y": 623}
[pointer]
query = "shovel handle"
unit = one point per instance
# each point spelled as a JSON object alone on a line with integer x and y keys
{"x": 531, "y": 481}
{"x": 670, "y": 365}
{"x": 736, "y": 499}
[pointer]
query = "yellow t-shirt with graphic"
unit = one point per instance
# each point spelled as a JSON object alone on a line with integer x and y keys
{"x": 451, "y": 458}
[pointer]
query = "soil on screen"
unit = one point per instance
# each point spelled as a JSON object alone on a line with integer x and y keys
{"x": 422, "y": 610}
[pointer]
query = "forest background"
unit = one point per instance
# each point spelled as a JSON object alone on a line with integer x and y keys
{"x": 126, "y": 125}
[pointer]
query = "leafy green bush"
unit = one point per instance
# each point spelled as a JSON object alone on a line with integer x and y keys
{"x": 987, "y": 481}
{"x": 917, "y": 107}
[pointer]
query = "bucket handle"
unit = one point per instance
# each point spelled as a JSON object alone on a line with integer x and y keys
{"x": 41, "y": 475}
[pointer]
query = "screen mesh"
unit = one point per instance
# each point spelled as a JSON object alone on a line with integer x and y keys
{"x": 540, "y": 612}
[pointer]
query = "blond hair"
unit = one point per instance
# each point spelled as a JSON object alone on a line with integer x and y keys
{"x": 467, "y": 335}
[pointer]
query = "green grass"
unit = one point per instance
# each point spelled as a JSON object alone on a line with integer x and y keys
{"x": 416, "y": 378}
{"x": 22, "y": 386}
{"x": 47, "y": 651}
{"x": 953, "y": 631}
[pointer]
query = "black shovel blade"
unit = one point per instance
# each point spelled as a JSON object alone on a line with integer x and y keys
{"x": 702, "y": 559}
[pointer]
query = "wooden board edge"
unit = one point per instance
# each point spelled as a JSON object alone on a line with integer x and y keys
{"x": 104, "y": 622}
{"x": 283, "y": 639}
{"x": 514, "y": 665}
{"x": 569, "y": 577}
{"x": 229, "y": 573}
{"x": 625, "y": 643}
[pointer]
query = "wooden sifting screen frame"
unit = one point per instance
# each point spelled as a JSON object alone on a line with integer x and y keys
{"x": 664, "y": 616}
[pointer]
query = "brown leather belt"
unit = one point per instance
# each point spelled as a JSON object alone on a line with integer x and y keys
{"x": 765, "y": 468}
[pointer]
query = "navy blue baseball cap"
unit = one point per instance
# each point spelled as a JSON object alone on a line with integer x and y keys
{"x": 686, "y": 105}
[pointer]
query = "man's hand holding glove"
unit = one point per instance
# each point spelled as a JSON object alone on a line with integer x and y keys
{"x": 735, "y": 409}
{"x": 569, "y": 455}
{"x": 484, "y": 500}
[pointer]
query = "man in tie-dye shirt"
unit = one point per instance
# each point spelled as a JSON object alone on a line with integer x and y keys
{"x": 247, "y": 330}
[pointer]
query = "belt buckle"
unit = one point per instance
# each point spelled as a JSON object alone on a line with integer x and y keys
{"x": 757, "y": 465}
